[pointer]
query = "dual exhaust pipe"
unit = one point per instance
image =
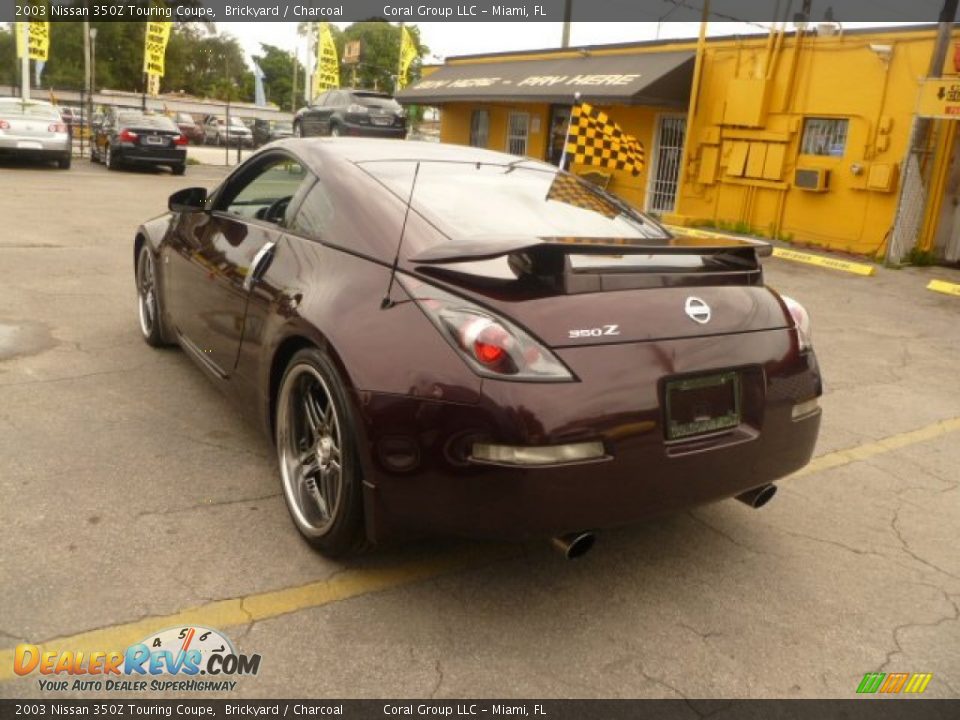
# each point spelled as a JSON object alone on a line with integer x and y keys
{"x": 574, "y": 545}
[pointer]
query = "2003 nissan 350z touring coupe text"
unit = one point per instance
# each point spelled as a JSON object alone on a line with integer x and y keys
{"x": 448, "y": 340}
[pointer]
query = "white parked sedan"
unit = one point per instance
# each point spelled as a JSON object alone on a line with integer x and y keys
{"x": 34, "y": 128}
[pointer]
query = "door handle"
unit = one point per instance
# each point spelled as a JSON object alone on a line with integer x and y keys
{"x": 259, "y": 265}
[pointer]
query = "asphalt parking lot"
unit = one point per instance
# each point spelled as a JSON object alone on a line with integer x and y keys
{"x": 134, "y": 499}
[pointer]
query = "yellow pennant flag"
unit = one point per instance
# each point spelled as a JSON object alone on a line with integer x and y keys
{"x": 38, "y": 42}
{"x": 327, "y": 74}
{"x": 594, "y": 139}
{"x": 408, "y": 53}
{"x": 155, "y": 47}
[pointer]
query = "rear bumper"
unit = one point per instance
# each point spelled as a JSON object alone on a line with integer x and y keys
{"x": 376, "y": 131}
{"x": 14, "y": 144}
{"x": 418, "y": 478}
{"x": 158, "y": 156}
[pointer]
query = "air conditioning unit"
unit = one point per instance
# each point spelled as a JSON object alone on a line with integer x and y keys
{"x": 812, "y": 179}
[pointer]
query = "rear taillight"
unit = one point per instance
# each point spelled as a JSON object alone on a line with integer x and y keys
{"x": 492, "y": 346}
{"x": 127, "y": 136}
{"x": 4, "y": 125}
{"x": 180, "y": 140}
{"x": 55, "y": 128}
{"x": 802, "y": 320}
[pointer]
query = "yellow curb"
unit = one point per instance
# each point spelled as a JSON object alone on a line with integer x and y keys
{"x": 941, "y": 286}
{"x": 830, "y": 263}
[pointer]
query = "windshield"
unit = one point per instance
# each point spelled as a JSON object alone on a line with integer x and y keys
{"x": 28, "y": 109}
{"x": 236, "y": 122}
{"x": 185, "y": 119}
{"x": 467, "y": 201}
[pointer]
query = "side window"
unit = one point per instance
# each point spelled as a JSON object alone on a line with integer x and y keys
{"x": 266, "y": 194}
{"x": 315, "y": 214}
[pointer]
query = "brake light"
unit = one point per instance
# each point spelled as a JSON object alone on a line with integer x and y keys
{"x": 127, "y": 136}
{"x": 802, "y": 320}
{"x": 492, "y": 346}
{"x": 4, "y": 125}
{"x": 54, "y": 128}
{"x": 180, "y": 140}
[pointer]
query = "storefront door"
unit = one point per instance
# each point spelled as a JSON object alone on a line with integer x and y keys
{"x": 559, "y": 122}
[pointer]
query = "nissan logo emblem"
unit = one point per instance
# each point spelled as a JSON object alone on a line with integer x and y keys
{"x": 697, "y": 310}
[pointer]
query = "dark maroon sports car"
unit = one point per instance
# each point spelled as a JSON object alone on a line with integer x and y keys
{"x": 442, "y": 339}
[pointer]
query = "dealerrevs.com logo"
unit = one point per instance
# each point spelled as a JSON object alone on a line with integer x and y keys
{"x": 177, "y": 659}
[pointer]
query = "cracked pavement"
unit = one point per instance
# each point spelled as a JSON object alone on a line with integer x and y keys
{"x": 132, "y": 489}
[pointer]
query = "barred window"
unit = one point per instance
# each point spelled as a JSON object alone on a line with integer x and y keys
{"x": 824, "y": 136}
{"x": 480, "y": 128}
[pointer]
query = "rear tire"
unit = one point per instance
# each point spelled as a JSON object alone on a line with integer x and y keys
{"x": 178, "y": 169}
{"x": 109, "y": 160}
{"x": 317, "y": 450}
{"x": 64, "y": 162}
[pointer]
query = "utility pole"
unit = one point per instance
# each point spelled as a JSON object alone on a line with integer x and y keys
{"x": 567, "y": 12}
{"x": 918, "y": 138}
{"x": 293, "y": 90}
{"x": 25, "y": 61}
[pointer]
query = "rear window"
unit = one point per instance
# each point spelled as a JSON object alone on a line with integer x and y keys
{"x": 149, "y": 122}
{"x": 377, "y": 100}
{"x": 28, "y": 109}
{"x": 526, "y": 199}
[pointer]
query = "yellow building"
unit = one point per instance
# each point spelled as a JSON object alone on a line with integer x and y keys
{"x": 799, "y": 136}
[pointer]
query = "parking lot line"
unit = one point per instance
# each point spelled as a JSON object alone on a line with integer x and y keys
{"x": 241, "y": 611}
{"x": 355, "y": 582}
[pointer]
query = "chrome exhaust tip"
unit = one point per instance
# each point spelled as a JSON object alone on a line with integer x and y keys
{"x": 758, "y": 497}
{"x": 574, "y": 545}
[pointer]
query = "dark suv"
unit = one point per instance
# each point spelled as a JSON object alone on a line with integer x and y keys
{"x": 352, "y": 112}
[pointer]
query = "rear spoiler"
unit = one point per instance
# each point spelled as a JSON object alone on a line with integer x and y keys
{"x": 555, "y": 248}
{"x": 733, "y": 260}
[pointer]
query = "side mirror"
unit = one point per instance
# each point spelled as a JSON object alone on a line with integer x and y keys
{"x": 188, "y": 200}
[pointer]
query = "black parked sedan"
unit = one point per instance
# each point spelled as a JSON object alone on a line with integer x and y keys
{"x": 127, "y": 137}
{"x": 363, "y": 113}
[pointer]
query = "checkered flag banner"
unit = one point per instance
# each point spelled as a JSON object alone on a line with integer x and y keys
{"x": 573, "y": 191}
{"x": 594, "y": 139}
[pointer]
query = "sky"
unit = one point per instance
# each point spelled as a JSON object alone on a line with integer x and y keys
{"x": 451, "y": 38}
{"x": 447, "y": 39}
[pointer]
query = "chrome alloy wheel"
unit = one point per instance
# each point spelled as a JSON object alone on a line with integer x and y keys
{"x": 146, "y": 292}
{"x": 308, "y": 443}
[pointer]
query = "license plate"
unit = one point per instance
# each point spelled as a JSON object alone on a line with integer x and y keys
{"x": 29, "y": 145}
{"x": 702, "y": 405}
{"x": 156, "y": 140}
{"x": 381, "y": 120}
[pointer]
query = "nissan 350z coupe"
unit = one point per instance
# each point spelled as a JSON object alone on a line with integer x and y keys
{"x": 448, "y": 340}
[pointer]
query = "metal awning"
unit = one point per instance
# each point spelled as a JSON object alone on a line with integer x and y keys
{"x": 652, "y": 78}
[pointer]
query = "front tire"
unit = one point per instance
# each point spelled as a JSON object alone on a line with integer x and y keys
{"x": 147, "y": 303}
{"x": 335, "y": 131}
{"x": 178, "y": 169}
{"x": 317, "y": 452}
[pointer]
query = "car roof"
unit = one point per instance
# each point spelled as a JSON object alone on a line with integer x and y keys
{"x": 358, "y": 150}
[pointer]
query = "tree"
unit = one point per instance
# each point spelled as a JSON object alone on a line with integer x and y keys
{"x": 277, "y": 67}
{"x": 206, "y": 65}
{"x": 380, "y": 54}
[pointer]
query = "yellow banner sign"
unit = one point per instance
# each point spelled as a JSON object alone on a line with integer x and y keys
{"x": 38, "y": 40}
{"x": 155, "y": 47}
{"x": 940, "y": 98}
{"x": 408, "y": 53}
{"x": 327, "y": 74}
